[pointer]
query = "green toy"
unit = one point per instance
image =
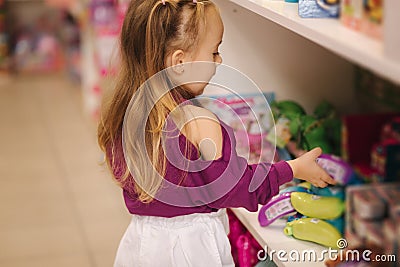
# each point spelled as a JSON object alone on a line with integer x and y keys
{"x": 315, "y": 206}
{"x": 314, "y": 230}
{"x": 321, "y": 129}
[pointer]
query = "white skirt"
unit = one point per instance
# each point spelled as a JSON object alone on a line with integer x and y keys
{"x": 190, "y": 240}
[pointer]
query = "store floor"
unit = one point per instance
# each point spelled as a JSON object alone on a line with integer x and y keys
{"x": 58, "y": 204}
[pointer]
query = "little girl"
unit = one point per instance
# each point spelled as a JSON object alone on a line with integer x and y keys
{"x": 171, "y": 34}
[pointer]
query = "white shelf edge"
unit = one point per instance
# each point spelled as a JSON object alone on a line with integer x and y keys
{"x": 330, "y": 34}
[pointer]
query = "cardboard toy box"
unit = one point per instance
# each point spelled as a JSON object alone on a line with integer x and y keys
{"x": 372, "y": 215}
{"x": 363, "y": 15}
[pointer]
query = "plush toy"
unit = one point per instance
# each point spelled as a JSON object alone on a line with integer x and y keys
{"x": 322, "y": 128}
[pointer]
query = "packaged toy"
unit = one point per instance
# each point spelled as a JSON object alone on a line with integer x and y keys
{"x": 314, "y": 230}
{"x": 363, "y": 15}
{"x": 276, "y": 208}
{"x": 317, "y": 206}
{"x": 319, "y": 8}
{"x": 336, "y": 167}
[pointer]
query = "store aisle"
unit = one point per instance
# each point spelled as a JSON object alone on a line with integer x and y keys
{"x": 58, "y": 205}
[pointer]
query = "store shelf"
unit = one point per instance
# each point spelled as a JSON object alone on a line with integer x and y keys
{"x": 329, "y": 33}
{"x": 272, "y": 238}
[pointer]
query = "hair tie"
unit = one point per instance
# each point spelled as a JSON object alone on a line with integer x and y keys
{"x": 163, "y": 2}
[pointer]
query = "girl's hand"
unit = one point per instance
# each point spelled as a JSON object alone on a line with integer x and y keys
{"x": 306, "y": 168}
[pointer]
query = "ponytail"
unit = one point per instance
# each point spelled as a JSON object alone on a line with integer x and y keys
{"x": 152, "y": 29}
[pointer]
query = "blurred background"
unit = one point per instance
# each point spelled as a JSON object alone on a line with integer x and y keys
{"x": 58, "y": 203}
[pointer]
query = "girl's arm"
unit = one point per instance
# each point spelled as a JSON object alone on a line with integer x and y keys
{"x": 209, "y": 139}
{"x": 235, "y": 183}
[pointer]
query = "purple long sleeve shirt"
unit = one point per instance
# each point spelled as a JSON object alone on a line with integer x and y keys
{"x": 226, "y": 182}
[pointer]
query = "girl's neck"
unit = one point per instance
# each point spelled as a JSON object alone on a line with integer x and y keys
{"x": 181, "y": 95}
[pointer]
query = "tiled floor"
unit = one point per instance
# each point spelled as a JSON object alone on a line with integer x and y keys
{"x": 58, "y": 204}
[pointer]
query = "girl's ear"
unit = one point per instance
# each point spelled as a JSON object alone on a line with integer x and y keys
{"x": 176, "y": 60}
{"x": 178, "y": 57}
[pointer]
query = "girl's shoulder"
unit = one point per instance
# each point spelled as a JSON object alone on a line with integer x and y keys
{"x": 193, "y": 112}
{"x": 202, "y": 125}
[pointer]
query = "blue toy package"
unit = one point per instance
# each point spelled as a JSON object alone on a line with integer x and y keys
{"x": 319, "y": 8}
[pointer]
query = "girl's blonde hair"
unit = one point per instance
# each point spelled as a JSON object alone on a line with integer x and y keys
{"x": 152, "y": 30}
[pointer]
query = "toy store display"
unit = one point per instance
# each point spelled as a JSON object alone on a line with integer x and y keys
{"x": 45, "y": 36}
{"x": 105, "y": 19}
{"x": 38, "y": 48}
{"x": 101, "y": 50}
{"x": 307, "y": 131}
{"x": 373, "y": 214}
{"x": 313, "y": 214}
{"x": 365, "y": 16}
{"x": 319, "y": 8}
{"x": 318, "y": 218}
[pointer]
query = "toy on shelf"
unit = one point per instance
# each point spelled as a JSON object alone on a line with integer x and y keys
{"x": 278, "y": 207}
{"x": 312, "y": 209}
{"x": 383, "y": 153}
{"x": 315, "y": 206}
{"x": 338, "y": 223}
{"x": 319, "y": 8}
{"x": 365, "y": 16}
{"x": 314, "y": 230}
{"x": 298, "y": 131}
{"x": 329, "y": 191}
{"x": 323, "y": 203}
{"x": 373, "y": 215}
{"x": 336, "y": 167}
{"x": 310, "y": 205}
